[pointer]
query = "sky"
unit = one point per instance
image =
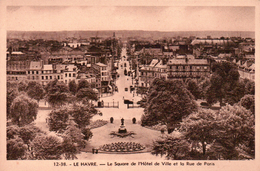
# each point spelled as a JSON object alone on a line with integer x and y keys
{"x": 151, "y": 18}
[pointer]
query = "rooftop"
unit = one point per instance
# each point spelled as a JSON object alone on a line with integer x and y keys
{"x": 187, "y": 61}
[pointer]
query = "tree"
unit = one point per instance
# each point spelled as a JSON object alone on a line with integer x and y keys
{"x": 73, "y": 87}
{"x": 199, "y": 126}
{"x": 87, "y": 133}
{"x": 59, "y": 119}
{"x": 175, "y": 148}
{"x": 224, "y": 78}
{"x": 82, "y": 113}
{"x": 249, "y": 87}
{"x": 12, "y": 131}
{"x": 83, "y": 84}
{"x": 236, "y": 127}
{"x": 235, "y": 93}
{"x": 86, "y": 94}
{"x": 16, "y": 149}
{"x": 35, "y": 90}
{"x": 22, "y": 86}
{"x": 167, "y": 103}
{"x": 28, "y": 133}
{"x": 20, "y": 137}
{"x": 47, "y": 147}
{"x": 248, "y": 102}
{"x": 23, "y": 110}
{"x": 11, "y": 94}
{"x": 204, "y": 84}
{"x": 194, "y": 88}
{"x": 57, "y": 93}
{"x": 73, "y": 141}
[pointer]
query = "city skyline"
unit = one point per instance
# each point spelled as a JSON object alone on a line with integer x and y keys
{"x": 150, "y": 18}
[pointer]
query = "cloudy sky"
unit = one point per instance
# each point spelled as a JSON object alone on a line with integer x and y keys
{"x": 57, "y": 18}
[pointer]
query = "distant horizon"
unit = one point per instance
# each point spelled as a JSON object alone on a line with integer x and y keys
{"x": 61, "y": 35}
{"x": 147, "y": 18}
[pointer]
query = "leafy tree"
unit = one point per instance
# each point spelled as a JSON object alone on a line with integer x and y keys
{"x": 86, "y": 94}
{"x": 57, "y": 93}
{"x": 21, "y": 137}
{"x": 249, "y": 87}
{"x": 16, "y": 149}
{"x": 175, "y": 148}
{"x": 35, "y": 90}
{"x": 11, "y": 94}
{"x": 23, "y": 110}
{"x": 224, "y": 78}
{"x": 22, "y": 86}
{"x": 12, "y": 131}
{"x": 235, "y": 93}
{"x": 199, "y": 126}
{"x": 28, "y": 133}
{"x": 73, "y": 87}
{"x": 47, "y": 147}
{"x": 248, "y": 102}
{"x": 236, "y": 127}
{"x": 167, "y": 103}
{"x": 73, "y": 141}
{"x": 194, "y": 88}
{"x": 82, "y": 113}
{"x": 58, "y": 119}
{"x": 83, "y": 84}
{"x": 210, "y": 96}
{"x": 204, "y": 84}
{"x": 87, "y": 133}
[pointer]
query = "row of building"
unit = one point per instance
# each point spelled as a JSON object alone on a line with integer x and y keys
{"x": 187, "y": 67}
{"x": 97, "y": 74}
{"x": 181, "y": 68}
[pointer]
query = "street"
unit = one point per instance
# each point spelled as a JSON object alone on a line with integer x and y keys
{"x": 122, "y": 82}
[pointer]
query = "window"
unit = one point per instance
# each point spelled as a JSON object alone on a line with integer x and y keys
{"x": 46, "y": 77}
{"x": 42, "y": 72}
{"x": 32, "y": 72}
{"x": 69, "y": 74}
{"x": 66, "y": 75}
{"x": 36, "y": 72}
{"x": 58, "y": 77}
{"x": 50, "y": 77}
{"x": 33, "y": 77}
{"x": 28, "y": 72}
{"x": 74, "y": 75}
{"x": 42, "y": 77}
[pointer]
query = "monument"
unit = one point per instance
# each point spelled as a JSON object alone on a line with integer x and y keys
{"x": 122, "y": 128}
